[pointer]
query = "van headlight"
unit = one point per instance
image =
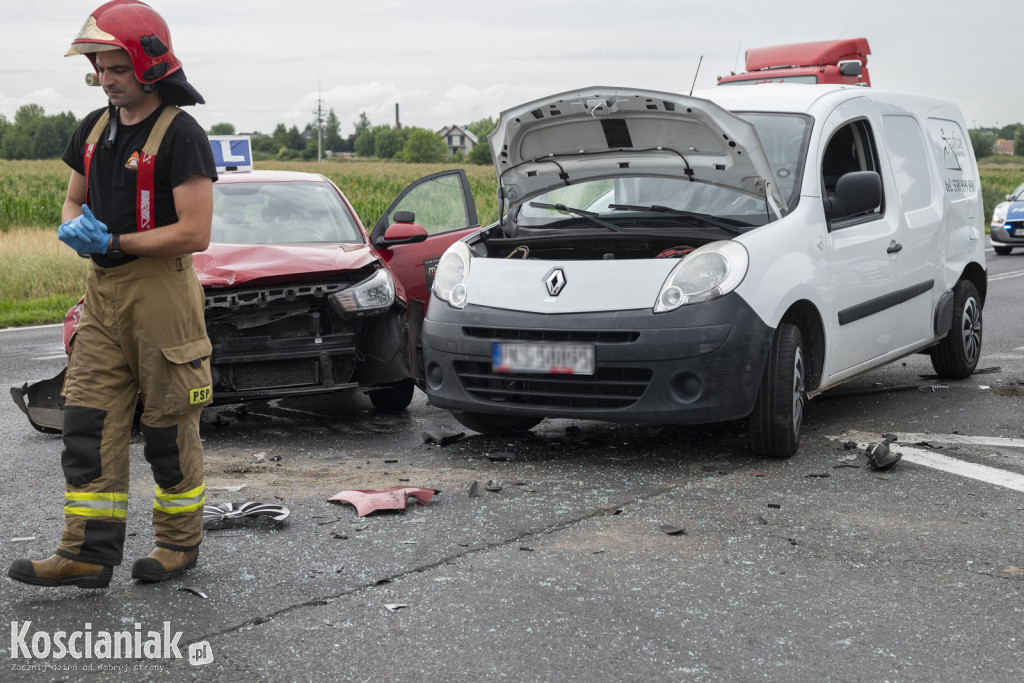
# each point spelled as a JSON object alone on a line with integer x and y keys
{"x": 373, "y": 295}
{"x": 451, "y": 274}
{"x": 707, "y": 273}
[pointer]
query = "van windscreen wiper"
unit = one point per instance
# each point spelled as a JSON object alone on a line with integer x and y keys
{"x": 586, "y": 215}
{"x": 707, "y": 218}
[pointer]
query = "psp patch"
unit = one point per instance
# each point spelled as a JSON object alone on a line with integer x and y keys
{"x": 200, "y": 395}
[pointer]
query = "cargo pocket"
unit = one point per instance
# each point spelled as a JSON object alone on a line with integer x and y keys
{"x": 189, "y": 385}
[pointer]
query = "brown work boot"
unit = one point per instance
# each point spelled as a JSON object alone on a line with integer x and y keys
{"x": 163, "y": 564}
{"x": 57, "y": 570}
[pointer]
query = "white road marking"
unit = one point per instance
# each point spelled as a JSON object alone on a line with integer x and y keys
{"x": 1006, "y": 276}
{"x": 926, "y": 458}
{"x": 62, "y": 355}
{"x": 31, "y": 327}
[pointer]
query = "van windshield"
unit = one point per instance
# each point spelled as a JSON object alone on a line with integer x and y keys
{"x": 784, "y": 137}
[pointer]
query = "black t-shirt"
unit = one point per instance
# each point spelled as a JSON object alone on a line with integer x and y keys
{"x": 184, "y": 152}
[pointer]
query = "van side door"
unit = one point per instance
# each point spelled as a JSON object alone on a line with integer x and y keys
{"x": 869, "y": 316}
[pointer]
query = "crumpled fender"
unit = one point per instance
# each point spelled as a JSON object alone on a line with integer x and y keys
{"x": 394, "y": 498}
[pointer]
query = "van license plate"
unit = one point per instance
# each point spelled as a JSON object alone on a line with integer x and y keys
{"x": 550, "y": 359}
{"x": 1018, "y": 232}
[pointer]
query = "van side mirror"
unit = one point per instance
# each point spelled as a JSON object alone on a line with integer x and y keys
{"x": 851, "y": 68}
{"x": 856, "y": 193}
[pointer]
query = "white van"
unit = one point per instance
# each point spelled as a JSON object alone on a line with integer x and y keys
{"x": 674, "y": 259}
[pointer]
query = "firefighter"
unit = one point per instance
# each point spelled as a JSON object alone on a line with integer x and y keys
{"x": 139, "y": 203}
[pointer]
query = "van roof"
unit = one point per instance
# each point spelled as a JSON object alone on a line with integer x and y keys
{"x": 810, "y": 99}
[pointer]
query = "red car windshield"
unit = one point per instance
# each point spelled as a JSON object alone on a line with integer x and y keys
{"x": 281, "y": 213}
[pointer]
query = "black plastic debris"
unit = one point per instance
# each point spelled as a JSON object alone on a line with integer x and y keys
{"x": 390, "y": 460}
{"x": 880, "y": 457}
{"x": 817, "y": 475}
{"x": 936, "y": 445}
{"x": 499, "y": 456}
{"x": 775, "y": 506}
{"x": 850, "y": 445}
{"x": 442, "y": 437}
{"x": 474, "y": 489}
{"x": 229, "y": 513}
{"x": 526, "y": 548}
{"x": 340, "y": 535}
{"x": 672, "y": 530}
{"x": 889, "y": 438}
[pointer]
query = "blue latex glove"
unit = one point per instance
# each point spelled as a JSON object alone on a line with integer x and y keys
{"x": 86, "y": 234}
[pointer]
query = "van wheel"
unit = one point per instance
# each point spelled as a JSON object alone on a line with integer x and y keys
{"x": 779, "y": 410}
{"x": 957, "y": 355}
{"x": 393, "y": 398}
{"x": 1003, "y": 251}
{"x": 487, "y": 423}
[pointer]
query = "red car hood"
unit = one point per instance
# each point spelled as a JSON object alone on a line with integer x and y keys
{"x": 226, "y": 265}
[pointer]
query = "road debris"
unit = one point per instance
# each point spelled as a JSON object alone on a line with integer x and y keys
{"x": 392, "y": 606}
{"x": 394, "y": 498}
{"x": 194, "y": 591}
{"x": 219, "y": 513}
{"x": 493, "y": 486}
{"x": 880, "y": 457}
{"x": 21, "y": 539}
{"x": 442, "y": 437}
{"x": 232, "y": 488}
{"x": 499, "y": 456}
{"x": 672, "y": 530}
{"x": 474, "y": 489}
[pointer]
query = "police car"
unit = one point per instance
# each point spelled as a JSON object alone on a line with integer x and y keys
{"x": 1007, "y": 228}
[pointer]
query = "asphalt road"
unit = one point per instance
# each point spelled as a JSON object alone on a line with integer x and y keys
{"x": 810, "y": 569}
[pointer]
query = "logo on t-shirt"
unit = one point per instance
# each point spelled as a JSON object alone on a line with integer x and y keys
{"x": 133, "y": 162}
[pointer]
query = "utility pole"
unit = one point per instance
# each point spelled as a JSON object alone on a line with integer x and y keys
{"x": 319, "y": 114}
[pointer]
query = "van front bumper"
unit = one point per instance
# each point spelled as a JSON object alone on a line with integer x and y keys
{"x": 699, "y": 363}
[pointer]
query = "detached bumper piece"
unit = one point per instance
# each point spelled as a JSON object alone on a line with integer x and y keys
{"x": 42, "y": 403}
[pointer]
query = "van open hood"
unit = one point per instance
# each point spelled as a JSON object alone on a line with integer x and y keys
{"x": 602, "y": 132}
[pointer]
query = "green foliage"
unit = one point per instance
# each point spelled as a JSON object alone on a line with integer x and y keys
{"x": 481, "y": 128}
{"x": 1018, "y": 142}
{"x": 423, "y": 147}
{"x": 481, "y": 154}
{"x": 983, "y": 142}
{"x": 221, "y": 129}
{"x": 332, "y": 136}
{"x": 1000, "y": 175}
{"x": 32, "y": 192}
{"x": 386, "y": 142}
{"x": 34, "y": 135}
{"x": 1008, "y": 131}
{"x": 365, "y": 143}
{"x": 362, "y": 125}
{"x": 40, "y": 278}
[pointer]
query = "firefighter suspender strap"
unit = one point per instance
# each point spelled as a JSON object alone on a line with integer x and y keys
{"x": 144, "y": 206}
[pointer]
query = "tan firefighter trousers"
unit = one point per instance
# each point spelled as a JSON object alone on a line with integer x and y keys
{"x": 141, "y": 332}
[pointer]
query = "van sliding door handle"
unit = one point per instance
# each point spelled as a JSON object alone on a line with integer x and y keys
{"x": 894, "y": 247}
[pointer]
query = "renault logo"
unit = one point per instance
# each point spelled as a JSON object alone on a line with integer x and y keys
{"x": 555, "y": 281}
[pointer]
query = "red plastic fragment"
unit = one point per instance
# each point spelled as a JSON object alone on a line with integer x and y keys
{"x": 394, "y": 498}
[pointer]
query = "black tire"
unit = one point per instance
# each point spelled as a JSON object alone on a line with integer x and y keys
{"x": 1002, "y": 251}
{"x": 488, "y": 423}
{"x": 957, "y": 354}
{"x": 774, "y": 426}
{"x": 393, "y": 398}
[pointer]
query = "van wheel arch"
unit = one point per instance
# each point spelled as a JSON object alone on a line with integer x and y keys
{"x": 805, "y": 316}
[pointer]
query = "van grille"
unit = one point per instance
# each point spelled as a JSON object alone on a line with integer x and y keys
{"x": 578, "y": 336}
{"x": 607, "y": 389}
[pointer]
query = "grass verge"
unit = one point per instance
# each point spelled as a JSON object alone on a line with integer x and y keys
{"x": 40, "y": 278}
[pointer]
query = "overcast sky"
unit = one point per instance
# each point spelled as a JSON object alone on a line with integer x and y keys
{"x": 261, "y": 62}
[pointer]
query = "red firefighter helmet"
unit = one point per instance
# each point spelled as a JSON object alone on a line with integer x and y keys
{"x": 139, "y": 30}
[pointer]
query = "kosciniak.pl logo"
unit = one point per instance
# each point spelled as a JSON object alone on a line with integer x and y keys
{"x": 89, "y": 644}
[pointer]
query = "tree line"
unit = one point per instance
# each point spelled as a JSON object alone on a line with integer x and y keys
{"x": 35, "y": 135}
{"x": 984, "y": 139}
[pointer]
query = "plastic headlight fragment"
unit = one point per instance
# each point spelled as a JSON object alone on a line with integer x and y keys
{"x": 373, "y": 295}
{"x": 451, "y": 274}
{"x": 706, "y": 273}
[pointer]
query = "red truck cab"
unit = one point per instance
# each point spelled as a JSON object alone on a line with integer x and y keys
{"x": 825, "y": 61}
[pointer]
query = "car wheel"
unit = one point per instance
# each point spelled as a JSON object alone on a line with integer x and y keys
{"x": 393, "y": 398}
{"x": 779, "y": 409}
{"x": 487, "y": 423}
{"x": 1002, "y": 251}
{"x": 957, "y": 355}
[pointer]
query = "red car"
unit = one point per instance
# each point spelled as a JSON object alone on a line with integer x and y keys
{"x": 300, "y": 300}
